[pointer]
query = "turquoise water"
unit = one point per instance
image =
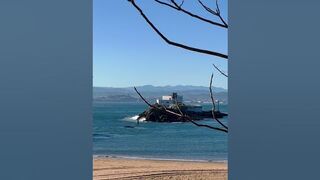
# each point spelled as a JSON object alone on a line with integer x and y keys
{"x": 184, "y": 141}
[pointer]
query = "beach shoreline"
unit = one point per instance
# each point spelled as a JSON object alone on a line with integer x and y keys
{"x": 156, "y": 158}
{"x": 105, "y": 167}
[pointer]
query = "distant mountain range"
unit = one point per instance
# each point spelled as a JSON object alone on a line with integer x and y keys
{"x": 151, "y": 93}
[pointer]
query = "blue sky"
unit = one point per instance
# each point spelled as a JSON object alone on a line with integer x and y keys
{"x": 127, "y": 52}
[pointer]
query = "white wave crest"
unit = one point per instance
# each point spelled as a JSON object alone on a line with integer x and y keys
{"x": 134, "y": 118}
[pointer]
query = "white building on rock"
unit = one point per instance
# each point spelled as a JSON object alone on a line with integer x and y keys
{"x": 169, "y": 100}
{"x": 174, "y": 99}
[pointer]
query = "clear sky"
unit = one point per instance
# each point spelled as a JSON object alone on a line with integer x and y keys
{"x": 127, "y": 52}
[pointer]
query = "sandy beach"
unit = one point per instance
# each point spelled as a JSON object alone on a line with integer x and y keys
{"x": 120, "y": 168}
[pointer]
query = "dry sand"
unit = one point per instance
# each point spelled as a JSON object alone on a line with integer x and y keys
{"x": 118, "y": 168}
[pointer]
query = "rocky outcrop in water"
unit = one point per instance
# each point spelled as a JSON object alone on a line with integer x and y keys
{"x": 159, "y": 114}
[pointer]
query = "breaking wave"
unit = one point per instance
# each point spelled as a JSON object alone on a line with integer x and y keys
{"x": 134, "y": 118}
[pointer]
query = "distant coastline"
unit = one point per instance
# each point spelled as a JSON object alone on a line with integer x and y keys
{"x": 192, "y": 94}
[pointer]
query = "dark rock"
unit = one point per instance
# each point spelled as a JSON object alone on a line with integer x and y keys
{"x": 159, "y": 114}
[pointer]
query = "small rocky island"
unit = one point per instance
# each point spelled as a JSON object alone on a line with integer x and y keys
{"x": 159, "y": 111}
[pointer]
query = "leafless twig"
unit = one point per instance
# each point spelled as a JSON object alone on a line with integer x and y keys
{"x": 181, "y": 3}
{"x": 179, "y": 8}
{"x": 178, "y": 108}
{"x": 216, "y": 12}
{"x": 221, "y": 72}
{"x": 213, "y": 104}
{"x": 203, "y": 51}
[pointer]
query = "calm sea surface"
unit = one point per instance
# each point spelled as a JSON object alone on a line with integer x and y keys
{"x": 184, "y": 141}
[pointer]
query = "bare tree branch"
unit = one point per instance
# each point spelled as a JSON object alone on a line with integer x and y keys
{"x": 176, "y": 102}
{"x": 221, "y": 72}
{"x": 179, "y": 8}
{"x": 213, "y": 104}
{"x": 211, "y": 96}
{"x": 180, "y": 115}
{"x": 181, "y": 3}
{"x": 203, "y": 51}
{"x": 144, "y": 98}
{"x": 216, "y": 12}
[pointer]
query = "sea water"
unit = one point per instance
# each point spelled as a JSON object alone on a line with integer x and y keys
{"x": 116, "y": 133}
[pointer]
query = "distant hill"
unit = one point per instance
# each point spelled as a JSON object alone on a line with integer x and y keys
{"x": 151, "y": 93}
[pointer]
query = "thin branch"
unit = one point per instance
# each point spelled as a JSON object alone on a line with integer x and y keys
{"x": 203, "y": 51}
{"x": 221, "y": 72}
{"x": 214, "y": 105}
{"x": 179, "y": 8}
{"x": 208, "y": 9}
{"x": 144, "y": 98}
{"x": 178, "y": 108}
{"x": 207, "y": 126}
{"x": 181, "y": 3}
{"x": 179, "y": 115}
{"x": 211, "y": 96}
{"x": 216, "y": 12}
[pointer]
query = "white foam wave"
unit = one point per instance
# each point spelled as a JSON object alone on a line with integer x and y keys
{"x": 134, "y": 118}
